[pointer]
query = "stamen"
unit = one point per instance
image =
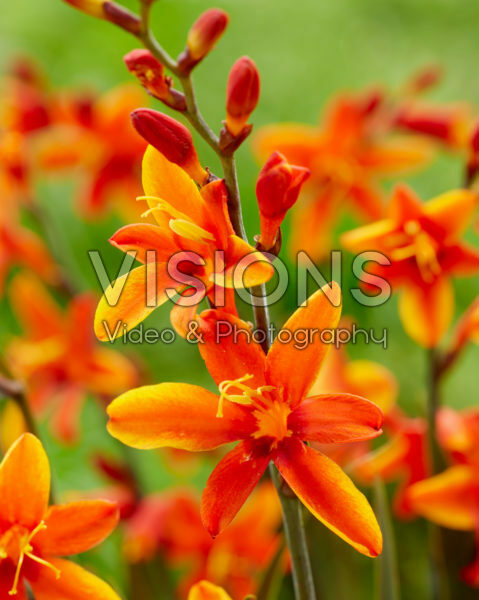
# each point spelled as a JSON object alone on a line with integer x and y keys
{"x": 422, "y": 248}
{"x": 190, "y": 230}
{"x": 248, "y": 397}
{"x": 26, "y": 550}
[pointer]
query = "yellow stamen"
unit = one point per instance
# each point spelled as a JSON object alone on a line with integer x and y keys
{"x": 246, "y": 398}
{"x": 423, "y": 248}
{"x": 26, "y": 549}
{"x": 190, "y": 230}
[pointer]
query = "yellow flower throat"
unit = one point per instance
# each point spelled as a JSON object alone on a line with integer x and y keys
{"x": 270, "y": 410}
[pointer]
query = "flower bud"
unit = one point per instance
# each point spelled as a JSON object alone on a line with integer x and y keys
{"x": 171, "y": 138}
{"x": 206, "y": 32}
{"x": 242, "y": 94}
{"x": 94, "y": 8}
{"x": 151, "y": 73}
{"x": 277, "y": 189}
{"x": 110, "y": 11}
{"x": 202, "y": 38}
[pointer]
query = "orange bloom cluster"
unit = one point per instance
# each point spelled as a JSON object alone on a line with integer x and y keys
{"x": 58, "y": 357}
{"x": 347, "y": 155}
{"x": 169, "y": 524}
{"x": 190, "y": 222}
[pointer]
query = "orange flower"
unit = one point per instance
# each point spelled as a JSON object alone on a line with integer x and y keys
{"x": 194, "y": 222}
{"x": 422, "y": 241}
{"x": 32, "y": 535}
{"x": 265, "y": 404}
{"x": 20, "y": 246}
{"x": 204, "y": 590}
{"x": 169, "y": 523}
{"x": 359, "y": 377}
{"x": 58, "y": 357}
{"x": 451, "y": 499}
{"x": 95, "y": 136}
{"x": 404, "y": 457}
{"x": 347, "y": 156}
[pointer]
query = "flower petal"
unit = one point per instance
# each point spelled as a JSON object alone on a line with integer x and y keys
{"x": 230, "y": 484}
{"x": 74, "y": 583}
{"x": 335, "y": 418}
{"x": 330, "y": 495}
{"x": 452, "y": 211}
{"x": 76, "y": 527}
{"x": 204, "y": 590}
{"x": 296, "y": 369}
{"x": 426, "y": 312}
{"x": 228, "y": 349}
{"x": 35, "y": 308}
{"x": 448, "y": 498}
{"x": 133, "y": 297}
{"x": 244, "y": 266}
{"x": 24, "y": 482}
{"x": 167, "y": 181}
{"x": 177, "y": 415}
{"x": 299, "y": 143}
{"x": 144, "y": 237}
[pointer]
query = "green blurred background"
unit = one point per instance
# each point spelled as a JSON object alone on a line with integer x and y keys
{"x": 306, "y": 51}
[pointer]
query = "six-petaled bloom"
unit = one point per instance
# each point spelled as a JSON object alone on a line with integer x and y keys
{"x": 422, "y": 243}
{"x": 264, "y": 403}
{"x": 33, "y": 536}
{"x": 192, "y": 248}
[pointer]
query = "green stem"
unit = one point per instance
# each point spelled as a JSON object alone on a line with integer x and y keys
{"x": 296, "y": 538}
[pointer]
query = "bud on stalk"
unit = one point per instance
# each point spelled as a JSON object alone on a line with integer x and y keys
{"x": 242, "y": 94}
{"x": 277, "y": 189}
{"x": 151, "y": 74}
{"x": 171, "y": 138}
{"x": 109, "y": 11}
{"x": 202, "y": 38}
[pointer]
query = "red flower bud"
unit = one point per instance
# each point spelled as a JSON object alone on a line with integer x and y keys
{"x": 171, "y": 138}
{"x": 151, "y": 73}
{"x": 277, "y": 189}
{"x": 205, "y": 33}
{"x": 242, "y": 94}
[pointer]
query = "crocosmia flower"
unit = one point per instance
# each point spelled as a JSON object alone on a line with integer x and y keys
{"x": 191, "y": 249}
{"x": 263, "y": 403}
{"x": 423, "y": 245}
{"x": 58, "y": 356}
{"x": 33, "y": 536}
{"x": 347, "y": 155}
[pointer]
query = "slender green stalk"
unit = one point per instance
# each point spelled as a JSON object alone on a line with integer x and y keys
{"x": 295, "y": 533}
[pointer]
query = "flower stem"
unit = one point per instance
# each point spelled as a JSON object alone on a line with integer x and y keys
{"x": 296, "y": 538}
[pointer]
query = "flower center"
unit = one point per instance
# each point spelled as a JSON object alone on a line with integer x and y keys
{"x": 270, "y": 411}
{"x": 423, "y": 248}
{"x": 15, "y": 544}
